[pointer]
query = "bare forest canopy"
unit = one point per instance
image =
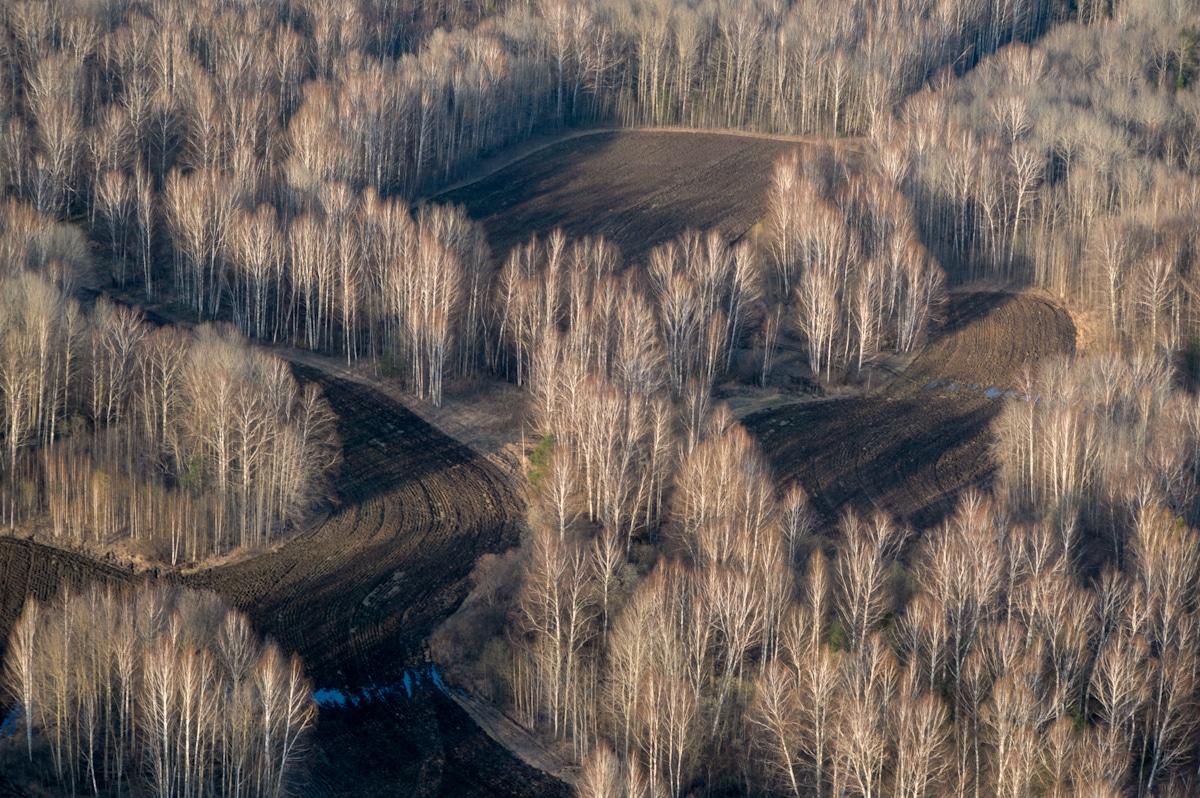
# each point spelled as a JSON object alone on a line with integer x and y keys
{"x": 184, "y": 444}
{"x": 677, "y": 618}
{"x": 158, "y": 691}
{"x": 252, "y": 160}
{"x": 234, "y": 138}
{"x": 286, "y": 96}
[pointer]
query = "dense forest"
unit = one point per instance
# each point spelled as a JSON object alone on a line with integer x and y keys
{"x": 163, "y": 685}
{"x": 684, "y": 621}
{"x": 185, "y": 444}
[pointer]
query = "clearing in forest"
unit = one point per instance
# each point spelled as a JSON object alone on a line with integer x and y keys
{"x": 912, "y": 448}
{"x": 638, "y": 189}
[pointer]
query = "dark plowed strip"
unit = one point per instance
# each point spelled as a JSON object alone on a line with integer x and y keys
{"x": 636, "y": 188}
{"x": 911, "y": 450}
{"x": 357, "y": 596}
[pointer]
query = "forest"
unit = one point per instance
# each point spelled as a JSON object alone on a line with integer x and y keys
{"x": 160, "y": 682}
{"x": 240, "y": 238}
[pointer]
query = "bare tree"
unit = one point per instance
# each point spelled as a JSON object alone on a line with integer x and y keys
{"x": 775, "y": 712}
{"x": 19, "y": 665}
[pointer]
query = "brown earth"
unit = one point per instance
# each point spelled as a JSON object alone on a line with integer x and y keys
{"x": 910, "y": 449}
{"x": 636, "y": 188}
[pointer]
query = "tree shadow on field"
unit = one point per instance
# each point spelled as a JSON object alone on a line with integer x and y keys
{"x": 638, "y": 189}
{"x": 385, "y": 446}
{"x": 965, "y": 309}
{"x": 909, "y": 458}
{"x": 533, "y": 194}
{"x": 923, "y": 472}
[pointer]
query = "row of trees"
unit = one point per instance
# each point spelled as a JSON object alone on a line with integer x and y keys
{"x": 374, "y": 94}
{"x": 361, "y": 275}
{"x": 355, "y": 274}
{"x": 161, "y": 690}
{"x": 603, "y": 356}
{"x": 568, "y": 623}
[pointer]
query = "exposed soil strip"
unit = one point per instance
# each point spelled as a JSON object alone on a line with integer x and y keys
{"x": 910, "y": 449}
{"x": 636, "y": 188}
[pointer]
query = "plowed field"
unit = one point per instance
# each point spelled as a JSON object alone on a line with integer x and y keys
{"x": 356, "y": 597}
{"x": 636, "y": 188}
{"x": 912, "y": 448}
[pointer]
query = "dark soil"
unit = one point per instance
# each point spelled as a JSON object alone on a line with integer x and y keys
{"x": 911, "y": 449}
{"x": 636, "y": 188}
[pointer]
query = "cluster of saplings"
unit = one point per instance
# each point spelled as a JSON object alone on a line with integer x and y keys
{"x": 187, "y": 444}
{"x": 155, "y": 691}
{"x": 847, "y": 252}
